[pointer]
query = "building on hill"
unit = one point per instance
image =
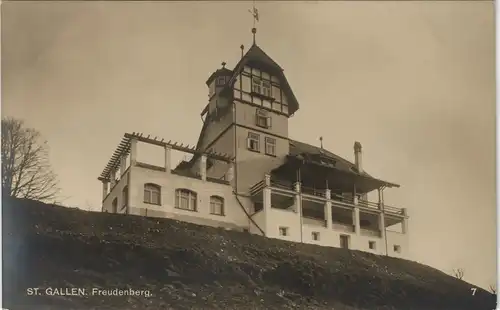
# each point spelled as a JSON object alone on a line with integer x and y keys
{"x": 247, "y": 174}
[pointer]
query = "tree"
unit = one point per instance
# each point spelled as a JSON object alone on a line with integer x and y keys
{"x": 26, "y": 171}
{"x": 492, "y": 288}
{"x": 458, "y": 273}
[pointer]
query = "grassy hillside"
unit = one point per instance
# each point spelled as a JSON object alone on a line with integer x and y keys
{"x": 186, "y": 266}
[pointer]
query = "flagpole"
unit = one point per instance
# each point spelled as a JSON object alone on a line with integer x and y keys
{"x": 255, "y": 15}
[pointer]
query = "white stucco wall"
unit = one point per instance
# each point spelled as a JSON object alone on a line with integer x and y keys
{"x": 330, "y": 237}
{"x": 116, "y": 192}
{"x": 269, "y": 219}
{"x": 234, "y": 216}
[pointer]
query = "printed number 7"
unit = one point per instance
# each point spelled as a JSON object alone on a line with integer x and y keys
{"x": 473, "y": 289}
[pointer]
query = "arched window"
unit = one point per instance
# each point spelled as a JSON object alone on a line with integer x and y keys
{"x": 114, "y": 205}
{"x": 152, "y": 194}
{"x": 185, "y": 199}
{"x": 125, "y": 197}
{"x": 216, "y": 205}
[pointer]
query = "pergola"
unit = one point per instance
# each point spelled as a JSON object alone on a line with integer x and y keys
{"x": 125, "y": 146}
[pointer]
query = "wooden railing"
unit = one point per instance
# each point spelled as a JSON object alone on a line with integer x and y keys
{"x": 344, "y": 200}
{"x": 394, "y": 210}
{"x": 313, "y": 191}
{"x": 368, "y": 204}
{"x": 282, "y": 184}
{"x": 370, "y": 232}
{"x": 257, "y": 187}
{"x": 343, "y": 227}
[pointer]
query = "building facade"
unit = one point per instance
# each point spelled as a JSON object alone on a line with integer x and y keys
{"x": 247, "y": 174}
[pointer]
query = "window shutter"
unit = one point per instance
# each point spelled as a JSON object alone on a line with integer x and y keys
{"x": 248, "y": 142}
{"x": 269, "y": 122}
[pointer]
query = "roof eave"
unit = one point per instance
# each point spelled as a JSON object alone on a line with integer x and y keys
{"x": 364, "y": 175}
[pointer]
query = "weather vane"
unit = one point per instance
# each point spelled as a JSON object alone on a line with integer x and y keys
{"x": 255, "y": 15}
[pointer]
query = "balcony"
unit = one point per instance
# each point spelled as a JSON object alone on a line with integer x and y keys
{"x": 319, "y": 196}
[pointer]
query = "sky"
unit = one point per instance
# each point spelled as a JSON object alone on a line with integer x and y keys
{"x": 414, "y": 82}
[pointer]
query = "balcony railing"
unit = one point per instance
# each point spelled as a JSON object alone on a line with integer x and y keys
{"x": 370, "y": 232}
{"x": 345, "y": 201}
{"x": 257, "y": 187}
{"x": 343, "y": 227}
{"x": 282, "y": 185}
{"x": 313, "y": 191}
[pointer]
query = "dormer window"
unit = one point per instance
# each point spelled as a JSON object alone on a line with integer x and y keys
{"x": 262, "y": 87}
{"x": 263, "y": 119}
{"x": 325, "y": 160}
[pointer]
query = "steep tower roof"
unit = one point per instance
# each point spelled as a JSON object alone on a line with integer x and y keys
{"x": 256, "y": 57}
{"x": 219, "y": 72}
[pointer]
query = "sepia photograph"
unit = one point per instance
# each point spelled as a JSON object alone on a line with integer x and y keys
{"x": 336, "y": 155}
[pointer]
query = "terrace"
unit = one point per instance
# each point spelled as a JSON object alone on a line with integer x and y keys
{"x": 326, "y": 208}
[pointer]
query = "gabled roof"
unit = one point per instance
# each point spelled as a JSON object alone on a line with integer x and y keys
{"x": 315, "y": 154}
{"x": 256, "y": 56}
{"x": 311, "y": 152}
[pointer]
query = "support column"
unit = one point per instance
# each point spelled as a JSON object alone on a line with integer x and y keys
{"x": 203, "y": 167}
{"x": 381, "y": 221}
{"x": 112, "y": 176}
{"x": 404, "y": 224}
{"x": 354, "y": 195}
{"x": 355, "y": 213}
{"x": 355, "y": 217}
{"x": 104, "y": 189}
{"x": 168, "y": 151}
{"x": 133, "y": 152}
{"x": 123, "y": 165}
{"x": 230, "y": 173}
{"x": 328, "y": 208}
{"x": 266, "y": 192}
{"x": 298, "y": 199}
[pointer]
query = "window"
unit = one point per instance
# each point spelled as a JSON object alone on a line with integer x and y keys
{"x": 125, "y": 196}
{"x": 253, "y": 142}
{"x": 344, "y": 241}
{"x": 270, "y": 146}
{"x": 114, "y": 205}
{"x": 256, "y": 85}
{"x": 261, "y": 87}
{"x": 372, "y": 245}
{"x": 283, "y": 231}
{"x": 216, "y": 205}
{"x": 263, "y": 119}
{"x": 325, "y": 160}
{"x": 185, "y": 199}
{"x": 257, "y": 206}
{"x": 315, "y": 235}
{"x": 221, "y": 81}
{"x": 397, "y": 248}
{"x": 266, "y": 88}
{"x": 152, "y": 194}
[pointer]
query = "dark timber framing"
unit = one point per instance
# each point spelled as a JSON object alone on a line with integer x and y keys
{"x": 124, "y": 147}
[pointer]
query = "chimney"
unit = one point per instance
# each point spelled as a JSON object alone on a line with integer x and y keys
{"x": 358, "y": 156}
